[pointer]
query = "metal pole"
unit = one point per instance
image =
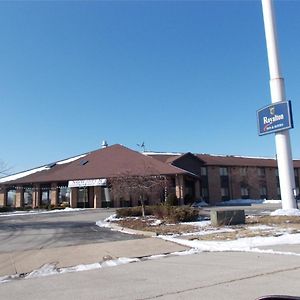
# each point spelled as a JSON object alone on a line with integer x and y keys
{"x": 282, "y": 138}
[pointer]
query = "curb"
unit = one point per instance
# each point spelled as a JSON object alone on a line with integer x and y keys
{"x": 132, "y": 231}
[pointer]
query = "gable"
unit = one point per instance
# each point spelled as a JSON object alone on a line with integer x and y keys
{"x": 189, "y": 162}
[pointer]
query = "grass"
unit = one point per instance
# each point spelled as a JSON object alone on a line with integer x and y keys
{"x": 274, "y": 226}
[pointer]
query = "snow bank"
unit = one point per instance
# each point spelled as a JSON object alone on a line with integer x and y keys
{"x": 36, "y": 212}
{"x": 250, "y": 201}
{"x": 272, "y": 201}
{"x": 242, "y": 244}
{"x": 200, "y": 224}
{"x": 106, "y": 222}
{"x": 286, "y": 212}
{"x": 51, "y": 269}
{"x": 199, "y": 204}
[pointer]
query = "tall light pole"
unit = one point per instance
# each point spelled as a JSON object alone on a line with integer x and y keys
{"x": 282, "y": 138}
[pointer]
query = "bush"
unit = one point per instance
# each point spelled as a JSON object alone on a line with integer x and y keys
{"x": 169, "y": 213}
{"x": 6, "y": 209}
{"x": 188, "y": 199}
{"x": 172, "y": 200}
{"x": 11, "y": 208}
{"x": 132, "y": 211}
{"x": 183, "y": 214}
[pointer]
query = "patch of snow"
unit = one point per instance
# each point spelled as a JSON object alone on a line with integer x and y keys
{"x": 200, "y": 224}
{"x": 127, "y": 231}
{"x": 80, "y": 268}
{"x": 8, "y": 278}
{"x": 286, "y": 212}
{"x": 39, "y": 169}
{"x": 119, "y": 261}
{"x": 242, "y": 244}
{"x": 186, "y": 252}
{"x": 199, "y": 203}
{"x": 205, "y": 232}
{"x": 266, "y": 212}
{"x": 66, "y": 161}
{"x": 51, "y": 269}
{"x": 103, "y": 224}
{"x": 69, "y": 209}
{"x": 161, "y": 153}
{"x": 250, "y": 201}
{"x": 45, "y": 270}
{"x": 36, "y": 212}
{"x": 152, "y": 257}
{"x": 272, "y": 201}
{"x": 260, "y": 227}
{"x": 156, "y": 223}
{"x": 241, "y": 202}
{"x": 22, "y": 174}
{"x": 237, "y": 156}
{"x": 112, "y": 218}
{"x": 106, "y": 222}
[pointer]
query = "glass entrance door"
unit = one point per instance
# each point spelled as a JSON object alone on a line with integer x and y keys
{"x": 83, "y": 197}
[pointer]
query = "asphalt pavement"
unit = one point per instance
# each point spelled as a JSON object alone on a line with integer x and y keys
{"x": 215, "y": 275}
{"x": 209, "y": 276}
{"x": 53, "y": 230}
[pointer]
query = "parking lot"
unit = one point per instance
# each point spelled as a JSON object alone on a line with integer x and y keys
{"x": 51, "y": 230}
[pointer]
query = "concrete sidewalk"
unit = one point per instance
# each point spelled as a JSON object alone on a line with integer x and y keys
{"x": 204, "y": 276}
{"x": 27, "y": 261}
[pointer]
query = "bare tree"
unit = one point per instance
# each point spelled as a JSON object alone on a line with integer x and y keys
{"x": 4, "y": 169}
{"x": 141, "y": 187}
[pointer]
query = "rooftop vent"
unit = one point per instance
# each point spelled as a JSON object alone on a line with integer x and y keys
{"x": 104, "y": 144}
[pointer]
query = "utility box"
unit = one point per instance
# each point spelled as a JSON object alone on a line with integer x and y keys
{"x": 224, "y": 217}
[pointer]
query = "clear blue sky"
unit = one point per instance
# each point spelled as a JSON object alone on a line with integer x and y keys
{"x": 178, "y": 75}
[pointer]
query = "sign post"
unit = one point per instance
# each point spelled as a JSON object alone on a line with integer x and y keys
{"x": 282, "y": 138}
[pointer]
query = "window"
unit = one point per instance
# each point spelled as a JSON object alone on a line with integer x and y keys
{"x": 28, "y": 196}
{"x": 64, "y": 195}
{"x": 45, "y": 196}
{"x": 244, "y": 192}
{"x": 11, "y": 197}
{"x": 296, "y": 172}
{"x": 261, "y": 171}
{"x": 263, "y": 192}
{"x": 203, "y": 171}
{"x": 83, "y": 198}
{"x": 224, "y": 192}
{"x": 204, "y": 192}
{"x": 223, "y": 171}
{"x": 243, "y": 171}
{"x": 276, "y": 172}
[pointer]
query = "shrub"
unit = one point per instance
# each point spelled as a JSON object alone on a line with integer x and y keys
{"x": 6, "y": 209}
{"x": 183, "y": 214}
{"x": 188, "y": 199}
{"x": 172, "y": 200}
{"x": 169, "y": 213}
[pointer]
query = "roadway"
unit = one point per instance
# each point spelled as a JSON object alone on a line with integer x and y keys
{"x": 52, "y": 230}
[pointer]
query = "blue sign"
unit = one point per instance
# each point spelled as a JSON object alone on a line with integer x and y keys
{"x": 275, "y": 117}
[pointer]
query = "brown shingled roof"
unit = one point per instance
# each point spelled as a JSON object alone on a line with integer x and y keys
{"x": 112, "y": 161}
{"x": 241, "y": 161}
{"x": 230, "y": 160}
